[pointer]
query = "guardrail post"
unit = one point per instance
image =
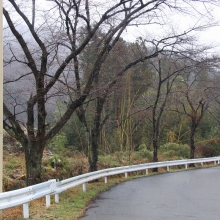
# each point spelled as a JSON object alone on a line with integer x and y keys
{"x": 26, "y": 210}
{"x": 106, "y": 179}
{"x": 186, "y": 166}
{"x": 146, "y": 171}
{"x": 168, "y": 169}
{"x": 202, "y": 164}
{"x": 126, "y": 175}
{"x": 84, "y": 187}
{"x": 215, "y": 162}
{"x": 57, "y": 199}
{"x": 47, "y": 200}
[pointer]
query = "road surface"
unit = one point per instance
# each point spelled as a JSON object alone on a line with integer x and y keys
{"x": 186, "y": 195}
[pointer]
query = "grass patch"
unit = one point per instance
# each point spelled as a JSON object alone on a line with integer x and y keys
{"x": 72, "y": 205}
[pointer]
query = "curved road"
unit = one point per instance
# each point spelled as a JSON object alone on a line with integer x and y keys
{"x": 193, "y": 194}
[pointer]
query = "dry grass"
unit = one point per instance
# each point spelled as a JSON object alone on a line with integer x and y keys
{"x": 72, "y": 205}
{"x": 12, "y": 213}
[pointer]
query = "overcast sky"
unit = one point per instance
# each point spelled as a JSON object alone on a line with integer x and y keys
{"x": 179, "y": 22}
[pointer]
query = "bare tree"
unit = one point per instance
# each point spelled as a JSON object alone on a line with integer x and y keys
{"x": 195, "y": 96}
{"x": 43, "y": 56}
{"x": 166, "y": 70}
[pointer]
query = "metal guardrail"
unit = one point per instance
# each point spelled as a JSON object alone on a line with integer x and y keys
{"x": 25, "y": 195}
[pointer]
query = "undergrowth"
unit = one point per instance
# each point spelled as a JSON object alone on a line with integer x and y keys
{"x": 73, "y": 202}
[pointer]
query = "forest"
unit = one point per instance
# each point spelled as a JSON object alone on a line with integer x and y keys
{"x": 73, "y": 82}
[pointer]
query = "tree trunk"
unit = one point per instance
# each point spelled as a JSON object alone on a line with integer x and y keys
{"x": 93, "y": 153}
{"x": 155, "y": 136}
{"x": 33, "y": 160}
{"x": 192, "y": 147}
{"x": 95, "y": 134}
{"x": 155, "y": 156}
{"x": 192, "y": 142}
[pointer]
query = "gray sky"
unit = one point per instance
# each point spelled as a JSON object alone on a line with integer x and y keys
{"x": 178, "y": 22}
{"x": 210, "y": 36}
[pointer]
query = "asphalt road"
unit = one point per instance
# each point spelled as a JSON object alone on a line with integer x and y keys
{"x": 193, "y": 195}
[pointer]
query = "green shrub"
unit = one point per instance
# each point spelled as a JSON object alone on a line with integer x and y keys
{"x": 170, "y": 153}
{"x": 173, "y": 149}
{"x": 145, "y": 154}
{"x": 57, "y": 161}
{"x": 58, "y": 143}
{"x": 142, "y": 147}
{"x": 124, "y": 157}
{"x": 108, "y": 161}
{"x": 12, "y": 164}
